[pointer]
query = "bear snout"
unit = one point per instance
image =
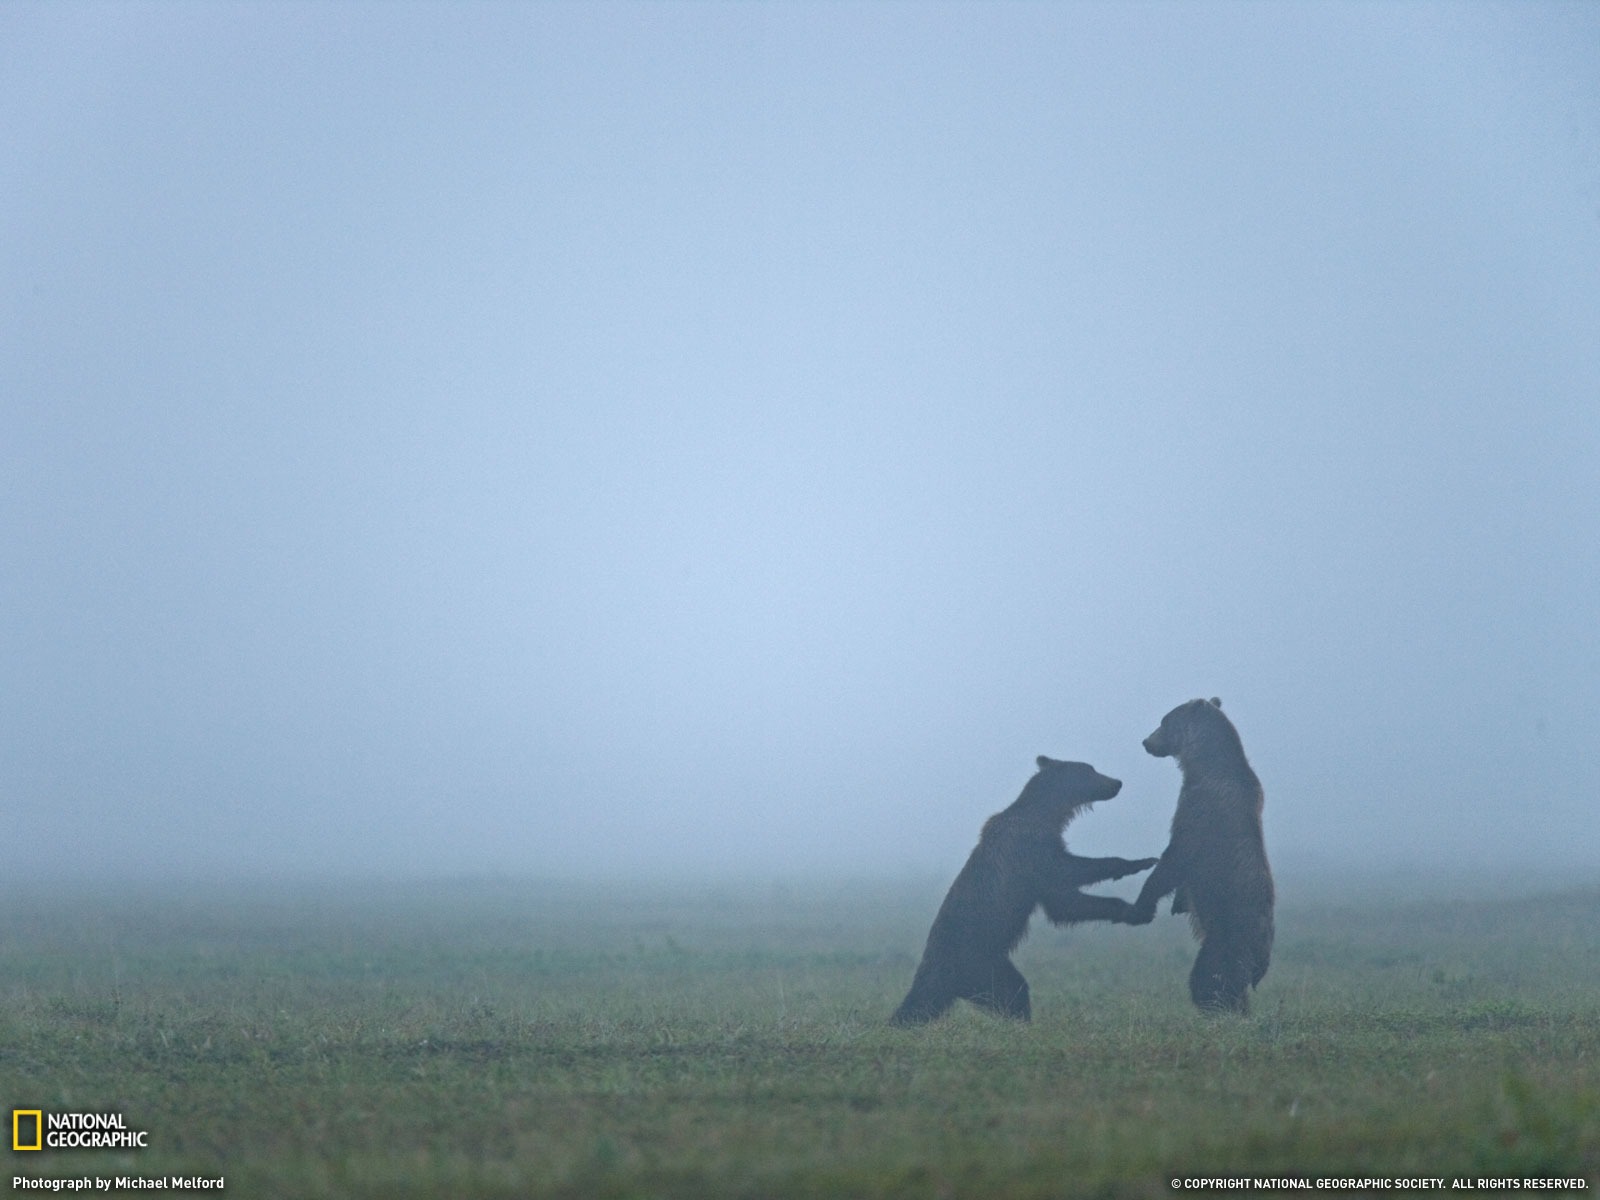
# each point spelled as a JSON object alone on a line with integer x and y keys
{"x": 1154, "y": 744}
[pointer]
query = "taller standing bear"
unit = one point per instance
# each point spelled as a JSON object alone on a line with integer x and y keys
{"x": 1216, "y": 861}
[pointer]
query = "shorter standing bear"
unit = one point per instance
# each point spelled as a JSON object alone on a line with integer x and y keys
{"x": 1020, "y": 863}
{"x": 1216, "y": 862}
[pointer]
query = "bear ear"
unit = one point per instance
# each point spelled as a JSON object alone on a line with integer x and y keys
{"x": 1044, "y": 762}
{"x": 1215, "y": 703}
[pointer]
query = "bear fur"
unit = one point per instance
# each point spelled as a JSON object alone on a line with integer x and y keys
{"x": 1020, "y": 863}
{"x": 1216, "y": 861}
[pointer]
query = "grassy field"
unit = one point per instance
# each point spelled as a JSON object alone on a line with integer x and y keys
{"x": 498, "y": 1039}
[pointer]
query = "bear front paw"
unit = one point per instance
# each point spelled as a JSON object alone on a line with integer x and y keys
{"x": 1132, "y": 866}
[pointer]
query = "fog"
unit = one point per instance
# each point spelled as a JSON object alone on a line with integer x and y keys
{"x": 662, "y": 438}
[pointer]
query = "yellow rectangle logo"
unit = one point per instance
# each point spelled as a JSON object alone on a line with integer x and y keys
{"x": 19, "y": 1120}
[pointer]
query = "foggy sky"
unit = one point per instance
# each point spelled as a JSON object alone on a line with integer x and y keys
{"x": 572, "y": 439}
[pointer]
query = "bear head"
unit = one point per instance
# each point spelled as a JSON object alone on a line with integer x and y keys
{"x": 1180, "y": 727}
{"x": 1060, "y": 789}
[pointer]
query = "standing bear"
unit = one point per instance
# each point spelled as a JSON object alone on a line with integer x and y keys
{"x": 1216, "y": 861}
{"x": 1020, "y": 863}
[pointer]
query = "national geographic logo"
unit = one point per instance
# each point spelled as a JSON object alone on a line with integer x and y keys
{"x": 35, "y": 1129}
{"x": 27, "y": 1129}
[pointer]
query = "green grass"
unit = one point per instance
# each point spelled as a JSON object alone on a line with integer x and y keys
{"x": 504, "y": 1040}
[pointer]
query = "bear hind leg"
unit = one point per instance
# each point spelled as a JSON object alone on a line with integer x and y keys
{"x": 1000, "y": 988}
{"x": 1220, "y": 980}
{"x": 925, "y": 1002}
